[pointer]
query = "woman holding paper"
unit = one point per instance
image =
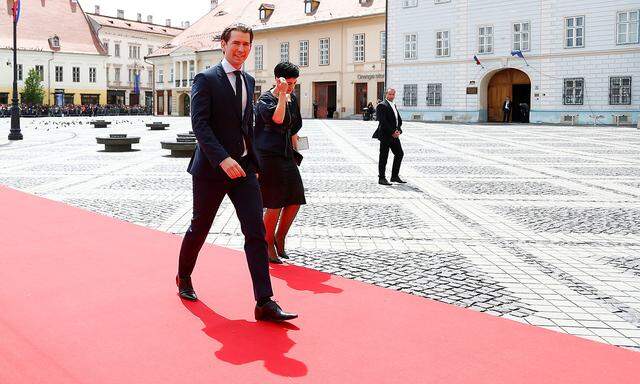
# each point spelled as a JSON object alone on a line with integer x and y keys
{"x": 278, "y": 121}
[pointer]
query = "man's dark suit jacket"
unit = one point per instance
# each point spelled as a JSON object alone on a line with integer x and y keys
{"x": 504, "y": 105}
{"x": 387, "y": 123}
{"x": 218, "y": 124}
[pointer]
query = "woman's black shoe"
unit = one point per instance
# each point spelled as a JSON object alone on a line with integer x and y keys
{"x": 282, "y": 253}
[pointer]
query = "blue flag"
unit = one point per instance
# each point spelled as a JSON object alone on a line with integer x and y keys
{"x": 517, "y": 53}
{"x": 136, "y": 83}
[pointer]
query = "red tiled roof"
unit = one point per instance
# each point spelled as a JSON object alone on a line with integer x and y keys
{"x": 43, "y": 19}
{"x": 114, "y": 22}
{"x": 287, "y": 13}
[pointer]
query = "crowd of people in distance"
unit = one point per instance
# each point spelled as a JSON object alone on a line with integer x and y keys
{"x": 77, "y": 110}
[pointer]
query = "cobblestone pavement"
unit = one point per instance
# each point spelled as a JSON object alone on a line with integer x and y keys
{"x": 537, "y": 224}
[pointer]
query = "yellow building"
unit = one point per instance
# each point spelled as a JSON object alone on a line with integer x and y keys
{"x": 338, "y": 44}
{"x": 66, "y": 53}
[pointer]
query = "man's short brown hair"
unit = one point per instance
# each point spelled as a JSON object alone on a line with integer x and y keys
{"x": 226, "y": 34}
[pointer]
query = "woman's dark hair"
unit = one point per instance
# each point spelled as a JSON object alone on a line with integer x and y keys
{"x": 287, "y": 70}
{"x": 226, "y": 34}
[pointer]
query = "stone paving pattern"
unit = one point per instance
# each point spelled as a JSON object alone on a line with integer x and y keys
{"x": 537, "y": 224}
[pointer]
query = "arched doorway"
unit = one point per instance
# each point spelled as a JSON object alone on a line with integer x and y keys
{"x": 184, "y": 104}
{"x": 517, "y": 86}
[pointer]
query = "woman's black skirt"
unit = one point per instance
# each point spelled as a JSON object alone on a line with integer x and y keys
{"x": 280, "y": 182}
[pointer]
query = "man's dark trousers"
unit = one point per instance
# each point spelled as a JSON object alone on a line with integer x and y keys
{"x": 398, "y": 154}
{"x": 244, "y": 194}
{"x": 505, "y": 114}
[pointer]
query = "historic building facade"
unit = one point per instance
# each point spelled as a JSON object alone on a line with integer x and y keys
{"x": 564, "y": 61}
{"x": 338, "y": 44}
{"x": 66, "y": 53}
{"x": 129, "y": 78}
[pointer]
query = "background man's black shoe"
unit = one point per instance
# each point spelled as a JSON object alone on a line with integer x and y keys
{"x": 398, "y": 180}
{"x": 185, "y": 289}
{"x": 271, "y": 311}
{"x": 383, "y": 181}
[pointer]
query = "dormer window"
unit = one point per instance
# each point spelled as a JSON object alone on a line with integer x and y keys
{"x": 365, "y": 2}
{"x": 54, "y": 42}
{"x": 310, "y": 6}
{"x": 265, "y": 11}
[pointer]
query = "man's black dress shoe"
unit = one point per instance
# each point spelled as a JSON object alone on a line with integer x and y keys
{"x": 185, "y": 289}
{"x": 398, "y": 180}
{"x": 383, "y": 181}
{"x": 271, "y": 311}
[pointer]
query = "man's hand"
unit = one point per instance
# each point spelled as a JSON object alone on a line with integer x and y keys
{"x": 396, "y": 134}
{"x": 232, "y": 168}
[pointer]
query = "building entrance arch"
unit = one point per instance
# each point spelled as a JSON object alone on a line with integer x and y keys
{"x": 184, "y": 104}
{"x": 511, "y": 82}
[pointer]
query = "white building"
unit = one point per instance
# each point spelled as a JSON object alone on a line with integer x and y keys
{"x": 582, "y": 59}
{"x": 66, "y": 53}
{"x": 127, "y": 42}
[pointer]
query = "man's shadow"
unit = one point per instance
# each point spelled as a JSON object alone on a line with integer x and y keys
{"x": 244, "y": 342}
{"x": 303, "y": 279}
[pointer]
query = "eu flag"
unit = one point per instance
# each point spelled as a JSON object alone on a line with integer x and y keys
{"x": 136, "y": 83}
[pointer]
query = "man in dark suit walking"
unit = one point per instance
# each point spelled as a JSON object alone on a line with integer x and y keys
{"x": 506, "y": 110}
{"x": 225, "y": 163}
{"x": 388, "y": 132}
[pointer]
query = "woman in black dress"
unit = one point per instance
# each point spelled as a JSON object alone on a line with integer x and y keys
{"x": 278, "y": 121}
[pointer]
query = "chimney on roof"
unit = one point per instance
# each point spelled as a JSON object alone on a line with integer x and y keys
{"x": 150, "y": 19}
{"x": 120, "y": 14}
{"x": 97, "y": 10}
{"x": 186, "y": 24}
{"x": 214, "y": 3}
{"x": 139, "y": 16}
{"x": 168, "y": 23}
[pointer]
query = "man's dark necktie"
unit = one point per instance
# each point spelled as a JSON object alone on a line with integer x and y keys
{"x": 238, "y": 90}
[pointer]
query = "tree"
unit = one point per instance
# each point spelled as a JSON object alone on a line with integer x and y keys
{"x": 33, "y": 92}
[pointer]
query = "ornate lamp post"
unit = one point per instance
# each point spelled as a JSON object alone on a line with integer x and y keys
{"x": 14, "y": 133}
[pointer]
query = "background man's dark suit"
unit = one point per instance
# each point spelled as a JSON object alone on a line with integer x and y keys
{"x": 506, "y": 110}
{"x": 221, "y": 128}
{"x": 387, "y": 125}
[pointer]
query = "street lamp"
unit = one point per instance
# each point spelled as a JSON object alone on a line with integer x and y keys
{"x": 15, "y": 133}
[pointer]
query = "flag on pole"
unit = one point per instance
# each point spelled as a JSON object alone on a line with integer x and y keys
{"x": 16, "y": 10}
{"x": 136, "y": 83}
{"x": 519, "y": 53}
{"x": 475, "y": 58}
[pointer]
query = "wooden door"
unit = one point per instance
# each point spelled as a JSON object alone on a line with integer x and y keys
{"x": 501, "y": 86}
{"x": 361, "y": 97}
{"x": 322, "y": 100}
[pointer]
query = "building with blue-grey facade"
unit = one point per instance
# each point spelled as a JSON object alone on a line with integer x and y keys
{"x": 559, "y": 61}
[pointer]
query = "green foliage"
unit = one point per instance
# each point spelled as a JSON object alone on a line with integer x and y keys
{"x": 33, "y": 92}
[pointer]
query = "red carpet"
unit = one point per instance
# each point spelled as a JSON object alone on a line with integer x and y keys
{"x": 88, "y": 299}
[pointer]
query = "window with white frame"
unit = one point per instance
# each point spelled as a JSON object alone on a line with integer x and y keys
{"x": 304, "y": 53}
{"x": 442, "y": 43}
{"x": 92, "y": 75}
{"x": 116, "y": 74}
{"x": 434, "y": 94}
{"x": 410, "y": 46}
{"x": 130, "y": 75}
{"x": 620, "y": 90}
{"x": 308, "y": 7}
{"x": 192, "y": 70}
{"x": 59, "y": 74}
{"x": 284, "y": 52}
{"x": 574, "y": 32}
{"x": 485, "y": 39}
{"x": 573, "y": 93}
{"x": 442, "y": 1}
{"x": 76, "y": 74}
{"x": 410, "y": 95}
{"x": 627, "y": 27}
{"x": 521, "y": 36}
{"x": 171, "y": 74}
{"x": 40, "y": 70}
{"x": 324, "y": 51}
{"x": 383, "y": 45}
{"x": 134, "y": 52}
{"x": 259, "y": 57}
{"x": 409, "y": 3}
{"x": 358, "y": 47}
{"x": 161, "y": 75}
{"x": 150, "y": 77}
{"x": 116, "y": 49}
